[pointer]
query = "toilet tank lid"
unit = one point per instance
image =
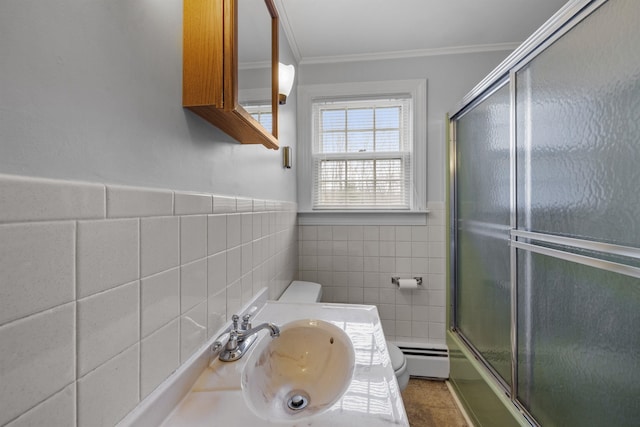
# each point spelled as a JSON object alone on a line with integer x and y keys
{"x": 396, "y": 356}
{"x": 301, "y": 291}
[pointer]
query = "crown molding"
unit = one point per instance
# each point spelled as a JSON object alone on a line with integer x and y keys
{"x": 453, "y": 50}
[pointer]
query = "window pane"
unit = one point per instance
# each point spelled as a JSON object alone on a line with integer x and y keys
{"x": 388, "y": 140}
{"x": 333, "y": 120}
{"x": 266, "y": 120}
{"x": 360, "y": 118}
{"x": 359, "y": 170}
{"x": 333, "y": 142}
{"x": 332, "y": 170}
{"x": 389, "y": 169}
{"x": 389, "y": 191}
{"x": 361, "y": 193}
{"x": 358, "y": 142}
{"x": 388, "y": 118}
{"x": 332, "y": 193}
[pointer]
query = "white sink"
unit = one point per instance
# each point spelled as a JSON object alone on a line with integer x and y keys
{"x": 301, "y": 373}
{"x": 348, "y": 382}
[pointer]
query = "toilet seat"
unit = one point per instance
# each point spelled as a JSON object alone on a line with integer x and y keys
{"x": 399, "y": 364}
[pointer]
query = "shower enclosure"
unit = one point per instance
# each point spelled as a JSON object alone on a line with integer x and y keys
{"x": 545, "y": 226}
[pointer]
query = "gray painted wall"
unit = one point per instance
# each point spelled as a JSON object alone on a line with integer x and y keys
{"x": 450, "y": 77}
{"x": 91, "y": 90}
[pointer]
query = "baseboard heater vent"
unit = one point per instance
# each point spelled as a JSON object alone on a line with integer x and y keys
{"x": 427, "y": 362}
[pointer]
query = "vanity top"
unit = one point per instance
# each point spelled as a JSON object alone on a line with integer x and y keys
{"x": 372, "y": 397}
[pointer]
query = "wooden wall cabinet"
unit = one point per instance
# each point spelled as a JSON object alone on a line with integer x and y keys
{"x": 210, "y": 69}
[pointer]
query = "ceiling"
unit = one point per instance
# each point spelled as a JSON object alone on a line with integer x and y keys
{"x": 346, "y": 30}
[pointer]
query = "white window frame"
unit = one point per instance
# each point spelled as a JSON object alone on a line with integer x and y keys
{"x": 307, "y": 94}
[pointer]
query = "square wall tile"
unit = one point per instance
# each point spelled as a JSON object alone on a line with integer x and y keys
{"x": 371, "y": 232}
{"x": 217, "y": 233}
{"x": 159, "y": 356}
{"x": 37, "y": 261}
{"x": 403, "y": 249}
{"x": 324, "y": 232}
{"x": 419, "y": 233}
{"x": 108, "y": 393}
{"x": 403, "y": 233}
{"x": 340, "y": 232}
{"x": 234, "y": 230}
{"x": 123, "y": 201}
{"x": 193, "y": 284}
{"x": 387, "y": 233}
{"x": 246, "y": 258}
{"x": 107, "y": 324}
{"x": 193, "y": 203}
{"x": 256, "y": 226}
{"x": 216, "y": 312}
{"x": 36, "y": 368}
{"x": 356, "y": 232}
{"x": 193, "y": 330}
{"x": 58, "y": 410}
{"x": 234, "y": 264}
{"x": 38, "y": 199}
{"x": 246, "y": 227}
{"x": 160, "y": 300}
{"x": 159, "y": 244}
{"x": 371, "y": 248}
{"x": 193, "y": 238}
{"x": 108, "y": 254}
{"x": 309, "y": 232}
{"x": 217, "y": 273}
{"x": 234, "y": 298}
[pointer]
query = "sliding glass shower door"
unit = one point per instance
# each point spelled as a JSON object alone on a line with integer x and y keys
{"x": 482, "y": 229}
{"x": 578, "y": 227}
{"x": 547, "y": 235}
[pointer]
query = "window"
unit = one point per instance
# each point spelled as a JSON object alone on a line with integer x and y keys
{"x": 362, "y": 147}
{"x": 262, "y": 113}
{"x": 362, "y": 154}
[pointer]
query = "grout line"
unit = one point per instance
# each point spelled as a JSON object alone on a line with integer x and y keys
{"x": 140, "y": 308}
{"x": 76, "y": 368}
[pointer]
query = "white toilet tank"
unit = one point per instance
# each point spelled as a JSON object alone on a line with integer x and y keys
{"x": 300, "y": 291}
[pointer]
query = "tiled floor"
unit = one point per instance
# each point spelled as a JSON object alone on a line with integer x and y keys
{"x": 430, "y": 404}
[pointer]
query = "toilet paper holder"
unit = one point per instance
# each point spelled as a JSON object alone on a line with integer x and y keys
{"x": 396, "y": 280}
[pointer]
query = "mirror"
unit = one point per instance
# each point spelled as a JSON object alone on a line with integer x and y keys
{"x": 256, "y": 61}
{"x": 230, "y": 48}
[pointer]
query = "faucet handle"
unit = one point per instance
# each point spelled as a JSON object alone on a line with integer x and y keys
{"x": 246, "y": 324}
{"x": 232, "y": 343}
{"x": 234, "y": 319}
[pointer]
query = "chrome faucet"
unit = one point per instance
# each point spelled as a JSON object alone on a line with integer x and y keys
{"x": 235, "y": 341}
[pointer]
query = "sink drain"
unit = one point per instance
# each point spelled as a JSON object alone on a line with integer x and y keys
{"x": 297, "y": 400}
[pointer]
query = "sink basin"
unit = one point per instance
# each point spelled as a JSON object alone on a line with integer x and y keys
{"x": 301, "y": 373}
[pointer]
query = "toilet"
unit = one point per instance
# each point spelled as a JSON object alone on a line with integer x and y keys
{"x": 300, "y": 292}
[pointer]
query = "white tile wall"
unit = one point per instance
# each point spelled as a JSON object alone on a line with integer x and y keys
{"x": 37, "y": 259}
{"x": 106, "y": 289}
{"x": 355, "y": 264}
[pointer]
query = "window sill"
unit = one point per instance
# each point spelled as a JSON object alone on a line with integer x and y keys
{"x": 363, "y": 217}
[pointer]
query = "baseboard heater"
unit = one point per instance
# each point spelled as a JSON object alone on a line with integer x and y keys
{"x": 426, "y": 362}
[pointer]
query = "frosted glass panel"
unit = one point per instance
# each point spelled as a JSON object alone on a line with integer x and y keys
{"x": 578, "y": 341}
{"x": 578, "y": 124}
{"x": 483, "y": 290}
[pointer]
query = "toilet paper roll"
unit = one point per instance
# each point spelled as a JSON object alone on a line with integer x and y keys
{"x": 408, "y": 284}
